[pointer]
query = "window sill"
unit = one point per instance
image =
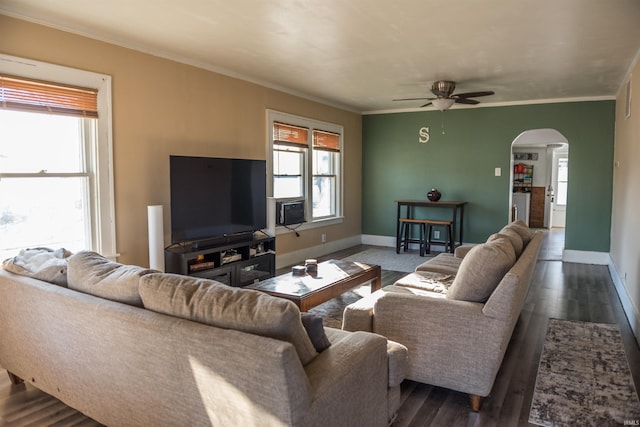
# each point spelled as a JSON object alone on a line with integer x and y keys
{"x": 310, "y": 225}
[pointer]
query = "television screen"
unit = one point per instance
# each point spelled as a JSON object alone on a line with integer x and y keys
{"x": 213, "y": 197}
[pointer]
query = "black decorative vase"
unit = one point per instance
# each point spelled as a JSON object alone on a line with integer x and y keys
{"x": 434, "y": 195}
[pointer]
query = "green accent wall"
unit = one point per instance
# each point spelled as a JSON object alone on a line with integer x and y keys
{"x": 460, "y": 163}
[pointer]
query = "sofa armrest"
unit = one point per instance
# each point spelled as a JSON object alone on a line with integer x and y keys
{"x": 349, "y": 382}
{"x": 416, "y": 307}
{"x": 358, "y": 316}
{"x": 398, "y": 356}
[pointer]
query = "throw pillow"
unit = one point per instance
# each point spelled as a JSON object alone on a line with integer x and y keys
{"x": 315, "y": 329}
{"x": 522, "y": 229}
{"x": 213, "y": 303}
{"x": 93, "y": 274}
{"x": 481, "y": 270}
{"x": 512, "y": 236}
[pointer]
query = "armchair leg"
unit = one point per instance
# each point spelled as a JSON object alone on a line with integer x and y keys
{"x": 476, "y": 402}
{"x": 15, "y": 380}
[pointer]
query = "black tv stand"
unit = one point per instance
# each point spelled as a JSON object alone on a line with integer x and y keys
{"x": 236, "y": 260}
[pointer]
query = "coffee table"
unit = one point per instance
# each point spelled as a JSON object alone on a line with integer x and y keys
{"x": 334, "y": 278}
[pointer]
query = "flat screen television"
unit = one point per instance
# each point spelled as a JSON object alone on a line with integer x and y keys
{"x": 214, "y": 197}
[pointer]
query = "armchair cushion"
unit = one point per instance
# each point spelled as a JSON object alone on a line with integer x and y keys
{"x": 481, "y": 270}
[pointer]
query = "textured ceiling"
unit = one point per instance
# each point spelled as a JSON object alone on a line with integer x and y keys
{"x": 361, "y": 54}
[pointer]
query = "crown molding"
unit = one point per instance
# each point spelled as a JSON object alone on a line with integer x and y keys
{"x": 496, "y": 104}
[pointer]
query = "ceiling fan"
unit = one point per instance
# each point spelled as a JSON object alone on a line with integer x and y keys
{"x": 443, "y": 90}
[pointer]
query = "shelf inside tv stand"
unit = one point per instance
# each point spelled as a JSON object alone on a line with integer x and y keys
{"x": 235, "y": 263}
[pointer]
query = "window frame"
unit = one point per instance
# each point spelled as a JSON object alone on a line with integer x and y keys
{"x": 312, "y": 124}
{"x": 301, "y": 154}
{"x": 103, "y": 233}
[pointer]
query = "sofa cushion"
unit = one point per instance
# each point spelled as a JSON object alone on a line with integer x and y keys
{"x": 315, "y": 329}
{"x": 481, "y": 270}
{"x": 462, "y": 250}
{"x": 522, "y": 229}
{"x": 512, "y": 236}
{"x": 93, "y": 274}
{"x": 428, "y": 281}
{"x": 213, "y": 303}
{"x": 444, "y": 263}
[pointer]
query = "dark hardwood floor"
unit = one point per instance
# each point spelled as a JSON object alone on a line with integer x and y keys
{"x": 559, "y": 290}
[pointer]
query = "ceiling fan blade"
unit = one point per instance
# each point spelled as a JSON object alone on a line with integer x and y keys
{"x": 410, "y": 99}
{"x": 466, "y": 101}
{"x": 474, "y": 94}
{"x": 427, "y": 104}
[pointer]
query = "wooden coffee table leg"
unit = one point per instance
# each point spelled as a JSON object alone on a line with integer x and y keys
{"x": 376, "y": 283}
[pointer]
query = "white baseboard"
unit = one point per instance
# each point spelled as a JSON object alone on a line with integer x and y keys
{"x": 585, "y": 257}
{"x": 298, "y": 257}
{"x": 371, "y": 239}
{"x": 569, "y": 255}
{"x": 632, "y": 312}
{"x": 388, "y": 241}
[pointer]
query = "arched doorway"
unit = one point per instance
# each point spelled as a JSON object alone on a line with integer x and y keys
{"x": 538, "y": 180}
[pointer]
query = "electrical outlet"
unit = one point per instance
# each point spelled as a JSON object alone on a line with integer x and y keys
{"x": 436, "y": 234}
{"x": 324, "y": 238}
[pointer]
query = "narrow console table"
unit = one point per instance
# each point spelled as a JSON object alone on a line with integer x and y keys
{"x": 457, "y": 214}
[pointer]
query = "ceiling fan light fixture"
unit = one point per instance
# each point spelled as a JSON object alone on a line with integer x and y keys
{"x": 443, "y": 104}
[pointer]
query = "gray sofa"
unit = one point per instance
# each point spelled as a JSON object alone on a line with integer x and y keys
{"x": 130, "y": 347}
{"x": 456, "y": 313}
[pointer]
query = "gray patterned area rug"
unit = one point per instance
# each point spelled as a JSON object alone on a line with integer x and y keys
{"x": 331, "y": 311}
{"x": 584, "y": 378}
{"x": 388, "y": 259}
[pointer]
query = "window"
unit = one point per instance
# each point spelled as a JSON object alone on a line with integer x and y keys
{"x": 306, "y": 164}
{"x": 290, "y": 145}
{"x": 55, "y": 158}
{"x": 326, "y": 158}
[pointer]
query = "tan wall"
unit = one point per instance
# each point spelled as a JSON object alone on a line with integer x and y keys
{"x": 162, "y": 107}
{"x": 625, "y": 221}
